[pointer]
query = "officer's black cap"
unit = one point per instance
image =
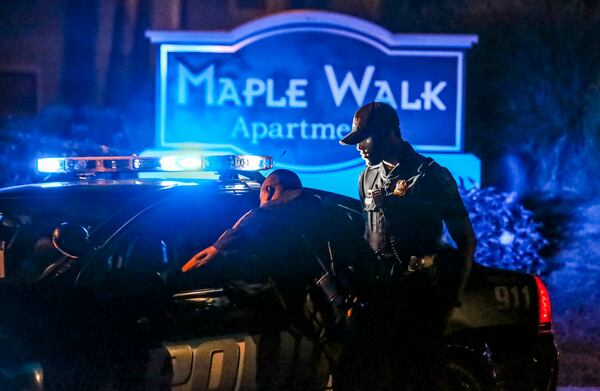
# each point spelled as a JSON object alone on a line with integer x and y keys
{"x": 374, "y": 117}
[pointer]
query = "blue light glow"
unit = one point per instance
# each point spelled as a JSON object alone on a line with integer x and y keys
{"x": 191, "y": 163}
{"x": 229, "y": 89}
{"x": 169, "y": 163}
{"x": 51, "y": 165}
{"x": 237, "y": 91}
{"x": 466, "y": 169}
{"x": 215, "y": 163}
{"x": 122, "y": 164}
{"x": 252, "y": 163}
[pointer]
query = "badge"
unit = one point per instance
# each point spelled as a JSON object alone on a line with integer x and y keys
{"x": 401, "y": 188}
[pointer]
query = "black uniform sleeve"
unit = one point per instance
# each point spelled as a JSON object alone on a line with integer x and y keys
{"x": 243, "y": 237}
{"x": 452, "y": 209}
{"x": 456, "y": 218}
{"x": 449, "y": 201}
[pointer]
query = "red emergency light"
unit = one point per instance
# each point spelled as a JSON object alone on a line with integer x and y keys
{"x": 544, "y": 308}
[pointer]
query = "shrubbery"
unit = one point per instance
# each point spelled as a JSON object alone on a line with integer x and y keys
{"x": 68, "y": 131}
{"x": 507, "y": 235}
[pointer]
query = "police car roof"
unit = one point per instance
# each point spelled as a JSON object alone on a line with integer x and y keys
{"x": 124, "y": 189}
{"x": 164, "y": 171}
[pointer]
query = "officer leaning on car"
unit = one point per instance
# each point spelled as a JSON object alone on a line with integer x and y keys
{"x": 289, "y": 242}
{"x": 406, "y": 200}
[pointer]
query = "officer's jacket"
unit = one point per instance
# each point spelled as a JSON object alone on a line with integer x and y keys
{"x": 286, "y": 241}
{"x": 276, "y": 239}
{"x": 419, "y": 196}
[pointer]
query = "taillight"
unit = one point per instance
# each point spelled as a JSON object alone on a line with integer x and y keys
{"x": 544, "y": 310}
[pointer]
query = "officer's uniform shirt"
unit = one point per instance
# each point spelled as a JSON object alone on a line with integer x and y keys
{"x": 279, "y": 231}
{"x": 419, "y": 195}
{"x": 285, "y": 237}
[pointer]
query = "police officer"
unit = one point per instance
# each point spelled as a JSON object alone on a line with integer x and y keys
{"x": 278, "y": 231}
{"x": 407, "y": 198}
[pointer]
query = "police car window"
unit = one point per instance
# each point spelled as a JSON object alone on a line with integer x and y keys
{"x": 346, "y": 213}
{"x": 26, "y": 225}
{"x": 163, "y": 238}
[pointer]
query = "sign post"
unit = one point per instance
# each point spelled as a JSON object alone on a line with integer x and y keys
{"x": 287, "y": 85}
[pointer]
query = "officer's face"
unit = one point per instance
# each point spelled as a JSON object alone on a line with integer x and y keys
{"x": 371, "y": 151}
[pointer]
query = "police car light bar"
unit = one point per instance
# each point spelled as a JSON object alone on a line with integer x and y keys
{"x": 134, "y": 163}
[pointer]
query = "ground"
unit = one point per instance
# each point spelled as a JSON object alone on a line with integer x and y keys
{"x": 575, "y": 295}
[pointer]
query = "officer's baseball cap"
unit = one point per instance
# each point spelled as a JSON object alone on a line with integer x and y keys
{"x": 374, "y": 117}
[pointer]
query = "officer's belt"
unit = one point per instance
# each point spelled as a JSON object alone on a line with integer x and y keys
{"x": 419, "y": 263}
{"x": 411, "y": 263}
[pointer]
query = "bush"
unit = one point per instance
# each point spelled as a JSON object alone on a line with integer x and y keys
{"x": 507, "y": 235}
{"x": 67, "y": 131}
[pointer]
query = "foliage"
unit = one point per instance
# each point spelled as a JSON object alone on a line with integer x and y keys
{"x": 542, "y": 100}
{"x": 67, "y": 131}
{"x": 533, "y": 89}
{"x": 507, "y": 235}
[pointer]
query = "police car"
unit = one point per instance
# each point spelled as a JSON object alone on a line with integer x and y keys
{"x": 91, "y": 296}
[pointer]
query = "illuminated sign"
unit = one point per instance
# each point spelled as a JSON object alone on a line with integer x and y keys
{"x": 287, "y": 86}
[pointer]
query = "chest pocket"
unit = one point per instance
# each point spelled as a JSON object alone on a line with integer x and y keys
{"x": 417, "y": 191}
{"x": 412, "y": 210}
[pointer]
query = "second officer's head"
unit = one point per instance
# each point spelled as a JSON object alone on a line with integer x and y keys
{"x": 278, "y": 184}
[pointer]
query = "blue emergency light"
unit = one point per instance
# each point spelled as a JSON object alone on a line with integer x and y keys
{"x": 134, "y": 163}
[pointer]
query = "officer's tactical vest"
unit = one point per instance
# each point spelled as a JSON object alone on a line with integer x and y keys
{"x": 410, "y": 216}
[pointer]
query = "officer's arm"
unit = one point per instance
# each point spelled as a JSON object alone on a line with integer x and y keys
{"x": 244, "y": 237}
{"x": 232, "y": 244}
{"x": 461, "y": 231}
{"x": 456, "y": 217}
{"x": 459, "y": 226}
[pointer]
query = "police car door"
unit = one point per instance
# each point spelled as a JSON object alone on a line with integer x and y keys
{"x": 215, "y": 334}
{"x": 192, "y": 335}
{"x": 196, "y": 336}
{"x": 208, "y": 345}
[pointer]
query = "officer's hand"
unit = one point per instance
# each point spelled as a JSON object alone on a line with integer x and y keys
{"x": 200, "y": 259}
